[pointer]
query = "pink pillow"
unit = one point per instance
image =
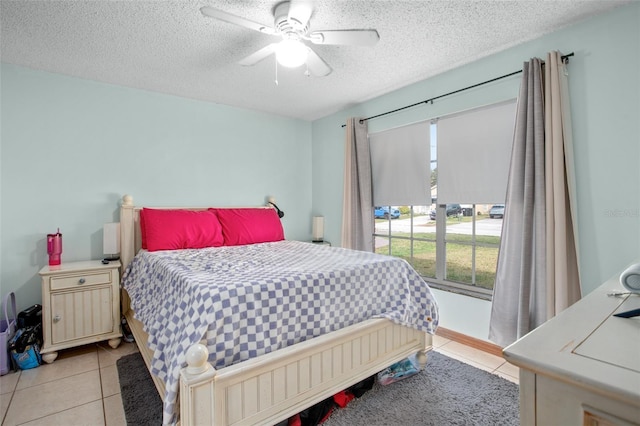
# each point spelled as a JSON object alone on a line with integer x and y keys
{"x": 143, "y": 231}
{"x": 249, "y": 225}
{"x": 181, "y": 229}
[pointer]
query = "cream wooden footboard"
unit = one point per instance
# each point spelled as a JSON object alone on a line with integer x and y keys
{"x": 275, "y": 386}
{"x": 271, "y": 388}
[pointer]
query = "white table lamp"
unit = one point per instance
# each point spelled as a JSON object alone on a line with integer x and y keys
{"x": 317, "y": 232}
{"x": 111, "y": 241}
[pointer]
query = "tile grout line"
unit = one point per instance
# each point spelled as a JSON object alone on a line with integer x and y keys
{"x": 104, "y": 409}
{"x": 463, "y": 358}
{"x": 15, "y": 390}
{"x": 4, "y": 417}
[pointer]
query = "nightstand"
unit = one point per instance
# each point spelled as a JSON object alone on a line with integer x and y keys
{"x": 80, "y": 305}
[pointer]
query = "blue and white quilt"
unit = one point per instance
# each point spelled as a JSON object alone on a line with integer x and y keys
{"x": 249, "y": 300}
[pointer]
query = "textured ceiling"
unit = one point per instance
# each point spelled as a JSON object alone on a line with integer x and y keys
{"x": 170, "y": 47}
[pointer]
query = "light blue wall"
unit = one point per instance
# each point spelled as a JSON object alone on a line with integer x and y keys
{"x": 71, "y": 148}
{"x": 62, "y": 165}
{"x": 604, "y": 79}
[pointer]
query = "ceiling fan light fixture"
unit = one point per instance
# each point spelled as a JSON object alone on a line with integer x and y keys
{"x": 292, "y": 20}
{"x": 291, "y": 53}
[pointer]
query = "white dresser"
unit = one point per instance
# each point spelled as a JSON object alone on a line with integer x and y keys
{"x": 583, "y": 366}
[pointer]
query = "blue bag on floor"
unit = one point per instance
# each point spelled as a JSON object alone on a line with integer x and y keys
{"x": 24, "y": 348}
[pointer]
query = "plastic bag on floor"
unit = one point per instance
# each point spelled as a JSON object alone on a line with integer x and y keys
{"x": 398, "y": 371}
{"x": 24, "y": 347}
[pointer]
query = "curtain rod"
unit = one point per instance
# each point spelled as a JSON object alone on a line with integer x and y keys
{"x": 565, "y": 58}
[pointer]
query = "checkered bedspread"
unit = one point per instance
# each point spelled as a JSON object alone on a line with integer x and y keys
{"x": 246, "y": 301}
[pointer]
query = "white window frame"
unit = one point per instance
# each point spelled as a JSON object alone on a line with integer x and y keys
{"x": 441, "y": 240}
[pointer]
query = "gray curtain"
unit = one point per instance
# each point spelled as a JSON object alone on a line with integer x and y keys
{"x": 357, "y": 210}
{"x": 537, "y": 271}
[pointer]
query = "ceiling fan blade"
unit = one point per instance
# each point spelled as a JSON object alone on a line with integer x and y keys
{"x": 317, "y": 66}
{"x": 258, "y": 56}
{"x": 299, "y": 13}
{"x": 233, "y": 19}
{"x": 348, "y": 37}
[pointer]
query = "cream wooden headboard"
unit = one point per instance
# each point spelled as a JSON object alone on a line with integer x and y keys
{"x": 130, "y": 235}
{"x": 130, "y": 239}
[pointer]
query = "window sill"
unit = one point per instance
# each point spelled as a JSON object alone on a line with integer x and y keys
{"x": 465, "y": 290}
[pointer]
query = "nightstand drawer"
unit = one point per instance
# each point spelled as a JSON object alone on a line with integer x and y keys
{"x": 78, "y": 280}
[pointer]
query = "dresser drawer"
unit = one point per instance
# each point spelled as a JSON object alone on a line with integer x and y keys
{"x": 78, "y": 280}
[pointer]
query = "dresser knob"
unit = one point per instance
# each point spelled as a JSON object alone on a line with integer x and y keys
{"x": 56, "y": 318}
{"x": 82, "y": 280}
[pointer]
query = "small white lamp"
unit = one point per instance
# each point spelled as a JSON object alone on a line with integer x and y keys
{"x": 111, "y": 241}
{"x": 317, "y": 231}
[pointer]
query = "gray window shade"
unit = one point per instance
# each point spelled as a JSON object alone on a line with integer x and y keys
{"x": 474, "y": 152}
{"x": 400, "y": 166}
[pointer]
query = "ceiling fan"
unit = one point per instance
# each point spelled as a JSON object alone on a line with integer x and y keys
{"x": 291, "y": 23}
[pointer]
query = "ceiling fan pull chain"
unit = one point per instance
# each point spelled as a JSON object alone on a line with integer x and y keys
{"x": 276, "y": 62}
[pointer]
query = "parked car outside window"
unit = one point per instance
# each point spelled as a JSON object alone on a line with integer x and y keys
{"x": 451, "y": 210}
{"x": 385, "y": 212}
{"x": 496, "y": 211}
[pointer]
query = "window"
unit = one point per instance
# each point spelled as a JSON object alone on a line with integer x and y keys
{"x": 452, "y": 238}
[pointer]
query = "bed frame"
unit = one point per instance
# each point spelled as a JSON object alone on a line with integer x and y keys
{"x": 273, "y": 387}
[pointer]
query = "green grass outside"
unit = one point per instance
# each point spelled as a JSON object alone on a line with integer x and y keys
{"x": 459, "y": 257}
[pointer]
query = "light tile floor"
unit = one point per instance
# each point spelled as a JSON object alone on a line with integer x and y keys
{"x": 81, "y": 387}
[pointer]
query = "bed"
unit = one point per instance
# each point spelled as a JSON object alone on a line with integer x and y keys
{"x": 223, "y": 363}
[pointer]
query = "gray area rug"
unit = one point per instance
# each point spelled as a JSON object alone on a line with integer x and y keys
{"x": 447, "y": 392}
{"x": 140, "y": 398}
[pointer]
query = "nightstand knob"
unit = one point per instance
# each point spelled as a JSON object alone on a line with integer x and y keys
{"x": 82, "y": 281}
{"x": 56, "y": 318}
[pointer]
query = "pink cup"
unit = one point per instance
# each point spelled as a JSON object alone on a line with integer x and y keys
{"x": 54, "y": 248}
